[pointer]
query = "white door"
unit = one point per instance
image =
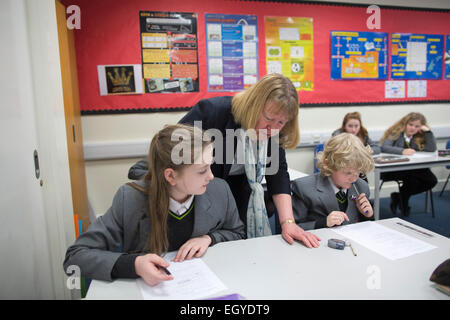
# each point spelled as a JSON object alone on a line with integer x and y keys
{"x": 32, "y": 235}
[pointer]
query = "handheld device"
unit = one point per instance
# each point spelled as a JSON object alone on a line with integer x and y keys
{"x": 336, "y": 244}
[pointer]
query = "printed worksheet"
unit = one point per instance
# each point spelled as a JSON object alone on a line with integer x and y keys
{"x": 193, "y": 279}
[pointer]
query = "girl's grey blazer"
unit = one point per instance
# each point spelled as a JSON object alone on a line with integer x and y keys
{"x": 397, "y": 146}
{"x": 313, "y": 199}
{"x": 125, "y": 228}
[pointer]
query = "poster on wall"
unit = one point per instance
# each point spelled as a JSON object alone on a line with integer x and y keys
{"x": 169, "y": 51}
{"x": 119, "y": 79}
{"x": 394, "y": 89}
{"x": 359, "y": 55}
{"x": 416, "y": 56}
{"x": 447, "y": 58}
{"x": 289, "y": 49}
{"x": 232, "y": 51}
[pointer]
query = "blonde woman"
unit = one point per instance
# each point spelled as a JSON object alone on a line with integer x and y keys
{"x": 179, "y": 206}
{"x": 408, "y": 135}
{"x": 336, "y": 195}
{"x": 269, "y": 108}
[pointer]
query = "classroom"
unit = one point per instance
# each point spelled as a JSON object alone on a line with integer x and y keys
{"x": 93, "y": 87}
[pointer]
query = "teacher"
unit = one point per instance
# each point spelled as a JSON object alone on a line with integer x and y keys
{"x": 269, "y": 109}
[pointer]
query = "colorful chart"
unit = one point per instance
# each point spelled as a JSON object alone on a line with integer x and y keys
{"x": 289, "y": 49}
{"x": 169, "y": 51}
{"x": 447, "y": 58}
{"x": 359, "y": 55}
{"x": 416, "y": 56}
{"x": 232, "y": 51}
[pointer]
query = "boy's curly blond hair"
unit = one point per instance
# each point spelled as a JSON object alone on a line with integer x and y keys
{"x": 343, "y": 151}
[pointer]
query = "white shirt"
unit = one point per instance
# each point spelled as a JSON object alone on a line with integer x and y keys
{"x": 180, "y": 208}
{"x": 407, "y": 139}
{"x": 336, "y": 189}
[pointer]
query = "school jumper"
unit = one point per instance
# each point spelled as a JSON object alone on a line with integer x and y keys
{"x": 313, "y": 199}
{"x": 108, "y": 248}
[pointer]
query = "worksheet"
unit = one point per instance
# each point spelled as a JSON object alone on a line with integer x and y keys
{"x": 193, "y": 279}
{"x": 385, "y": 241}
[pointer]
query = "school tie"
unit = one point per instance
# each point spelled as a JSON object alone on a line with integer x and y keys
{"x": 341, "y": 197}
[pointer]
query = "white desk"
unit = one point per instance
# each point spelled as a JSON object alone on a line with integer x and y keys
{"x": 419, "y": 161}
{"x": 270, "y": 268}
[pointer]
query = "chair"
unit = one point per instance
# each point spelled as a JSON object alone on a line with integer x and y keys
{"x": 447, "y": 146}
{"x": 428, "y": 194}
{"x": 317, "y": 149}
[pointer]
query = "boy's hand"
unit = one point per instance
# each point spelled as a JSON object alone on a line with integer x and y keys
{"x": 335, "y": 218}
{"x": 363, "y": 205}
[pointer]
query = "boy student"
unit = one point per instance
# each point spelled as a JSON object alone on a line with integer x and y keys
{"x": 336, "y": 195}
{"x": 179, "y": 205}
{"x": 408, "y": 135}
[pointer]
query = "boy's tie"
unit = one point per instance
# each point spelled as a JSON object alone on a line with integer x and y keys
{"x": 341, "y": 197}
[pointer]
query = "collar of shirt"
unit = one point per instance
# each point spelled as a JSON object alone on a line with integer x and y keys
{"x": 406, "y": 138}
{"x": 180, "y": 208}
{"x": 336, "y": 189}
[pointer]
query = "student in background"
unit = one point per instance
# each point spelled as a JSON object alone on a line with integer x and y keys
{"x": 179, "y": 205}
{"x": 408, "y": 135}
{"x": 352, "y": 124}
{"x": 336, "y": 195}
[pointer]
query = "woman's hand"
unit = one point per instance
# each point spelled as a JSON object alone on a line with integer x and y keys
{"x": 424, "y": 128}
{"x": 194, "y": 247}
{"x": 147, "y": 268}
{"x": 408, "y": 152}
{"x": 291, "y": 231}
{"x": 363, "y": 205}
{"x": 335, "y": 218}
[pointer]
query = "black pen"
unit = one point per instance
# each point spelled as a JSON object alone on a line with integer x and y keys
{"x": 164, "y": 269}
{"x": 412, "y": 228}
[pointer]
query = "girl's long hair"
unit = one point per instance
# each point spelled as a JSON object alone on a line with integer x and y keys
{"x": 168, "y": 147}
{"x": 362, "y": 134}
{"x": 398, "y": 128}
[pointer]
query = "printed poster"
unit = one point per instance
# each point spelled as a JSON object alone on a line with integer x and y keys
{"x": 416, "y": 56}
{"x": 169, "y": 51}
{"x": 394, "y": 89}
{"x": 119, "y": 79}
{"x": 417, "y": 88}
{"x": 289, "y": 49}
{"x": 359, "y": 55}
{"x": 447, "y": 58}
{"x": 232, "y": 51}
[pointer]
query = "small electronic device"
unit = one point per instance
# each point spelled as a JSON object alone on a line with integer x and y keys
{"x": 336, "y": 244}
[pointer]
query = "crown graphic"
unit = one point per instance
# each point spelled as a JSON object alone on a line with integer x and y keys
{"x": 120, "y": 79}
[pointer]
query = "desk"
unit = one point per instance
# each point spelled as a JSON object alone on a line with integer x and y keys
{"x": 419, "y": 161}
{"x": 270, "y": 268}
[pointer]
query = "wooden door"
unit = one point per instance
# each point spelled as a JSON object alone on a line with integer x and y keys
{"x": 73, "y": 116}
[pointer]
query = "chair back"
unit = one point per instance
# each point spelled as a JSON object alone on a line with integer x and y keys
{"x": 317, "y": 149}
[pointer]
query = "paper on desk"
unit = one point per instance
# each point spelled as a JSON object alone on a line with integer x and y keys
{"x": 422, "y": 155}
{"x": 193, "y": 279}
{"x": 384, "y": 241}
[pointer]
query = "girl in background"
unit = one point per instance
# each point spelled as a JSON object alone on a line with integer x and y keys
{"x": 408, "y": 135}
{"x": 352, "y": 124}
{"x": 179, "y": 205}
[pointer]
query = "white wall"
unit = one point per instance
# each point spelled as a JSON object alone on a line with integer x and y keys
{"x": 105, "y": 176}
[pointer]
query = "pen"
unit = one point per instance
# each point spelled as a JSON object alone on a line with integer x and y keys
{"x": 412, "y": 228}
{"x": 357, "y": 192}
{"x": 164, "y": 269}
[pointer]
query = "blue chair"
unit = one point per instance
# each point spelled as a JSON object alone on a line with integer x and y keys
{"x": 447, "y": 146}
{"x": 317, "y": 149}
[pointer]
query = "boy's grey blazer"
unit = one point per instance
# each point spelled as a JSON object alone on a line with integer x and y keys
{"x": 313, "y": 198}
{"x": 396, "y": 146}
{"x": 125, "y": 228}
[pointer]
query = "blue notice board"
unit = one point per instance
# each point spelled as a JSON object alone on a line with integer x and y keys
{"x": 447, "y": 58}
{"x": 359, "y": 55}
{"x": 416, "y": 56}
